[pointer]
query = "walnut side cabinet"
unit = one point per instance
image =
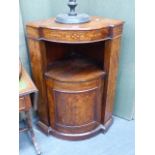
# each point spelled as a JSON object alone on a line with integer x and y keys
{"x": 49, "y": 42}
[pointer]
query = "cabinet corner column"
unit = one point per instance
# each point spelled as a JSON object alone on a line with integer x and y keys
{"x": 37, "y": 52}
{"x": 111, "y": 62}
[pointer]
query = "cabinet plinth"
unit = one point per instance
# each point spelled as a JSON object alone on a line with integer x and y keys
{"x": 64, "y": 90}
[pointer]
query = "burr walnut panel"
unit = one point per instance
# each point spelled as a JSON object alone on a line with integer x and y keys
{"x": 72, "y": 106}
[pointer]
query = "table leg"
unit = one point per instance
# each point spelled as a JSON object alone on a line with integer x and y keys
{"x": 29, "y": 123}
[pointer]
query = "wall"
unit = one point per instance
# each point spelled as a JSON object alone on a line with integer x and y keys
{"x": 124, "y": 10}
{"x": 31, "y": 10}
{"x": 22, "y": 44}
{"x": 120, "y": 9}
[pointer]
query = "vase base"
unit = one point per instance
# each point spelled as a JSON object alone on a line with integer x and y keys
{"x": 67, "y": 19}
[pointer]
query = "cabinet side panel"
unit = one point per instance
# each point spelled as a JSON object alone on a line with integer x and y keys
{"x": 38, "y": 64}
{"x": 111, "y": 61}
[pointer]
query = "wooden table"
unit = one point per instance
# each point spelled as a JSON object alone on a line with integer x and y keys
{"x": 26, "y": 87}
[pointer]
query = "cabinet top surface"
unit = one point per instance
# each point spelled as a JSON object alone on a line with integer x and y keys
{"x": 26, "y": 86}
{"x": 95, "y": 23}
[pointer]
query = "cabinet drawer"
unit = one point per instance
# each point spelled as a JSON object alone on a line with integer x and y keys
{"x": 24, "y": 103}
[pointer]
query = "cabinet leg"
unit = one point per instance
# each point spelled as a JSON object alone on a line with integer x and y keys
{"x": 32, "y": 135}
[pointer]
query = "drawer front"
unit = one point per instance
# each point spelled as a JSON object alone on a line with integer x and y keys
{"x": 75, "y": 36}
{"x": 74, "y": 86}
{"x": 24, "y": 103}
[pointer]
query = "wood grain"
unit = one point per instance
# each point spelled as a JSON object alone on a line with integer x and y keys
{"x": 98, "y": 29}
{"x": 111, "y": 61}
{"x": 38, "y": 54}
{"x": 74, "y": 95}
{"x": 50, "y": 42}
{"x": 26, "y": 86}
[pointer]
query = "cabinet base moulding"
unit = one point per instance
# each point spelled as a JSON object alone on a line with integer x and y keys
{"x": 81, "y": 136}
{"x": 44, "y": 128}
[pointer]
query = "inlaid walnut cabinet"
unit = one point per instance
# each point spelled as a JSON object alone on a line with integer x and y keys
{"x": 75, "y": 68}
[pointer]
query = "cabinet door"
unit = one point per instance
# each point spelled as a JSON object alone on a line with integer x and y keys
{"x": 78, "y": 111}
